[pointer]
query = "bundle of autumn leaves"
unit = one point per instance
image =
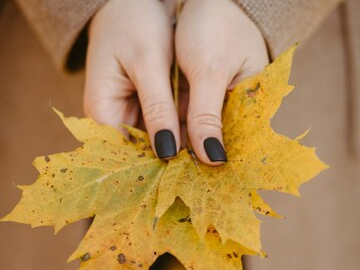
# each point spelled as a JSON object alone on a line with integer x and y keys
{"x": 145, "y": 207}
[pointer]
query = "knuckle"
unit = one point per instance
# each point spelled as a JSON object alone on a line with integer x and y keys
{"x": 155, "y": 109}
{"x": 205, "y": 121}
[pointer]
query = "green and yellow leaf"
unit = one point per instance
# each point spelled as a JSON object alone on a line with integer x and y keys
{"x": 144, "y": 207}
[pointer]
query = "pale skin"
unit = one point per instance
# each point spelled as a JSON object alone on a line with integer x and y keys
{"x": 132, "y": 45}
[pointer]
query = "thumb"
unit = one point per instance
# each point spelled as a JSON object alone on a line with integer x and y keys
{"x": 204, "y": 118}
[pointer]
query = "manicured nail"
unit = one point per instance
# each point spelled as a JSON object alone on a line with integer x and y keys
{"x": 165, "y": 144}
{"x": 214, "y": 150}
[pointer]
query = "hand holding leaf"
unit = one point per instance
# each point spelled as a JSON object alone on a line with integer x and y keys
{"x": 144, "y": 206}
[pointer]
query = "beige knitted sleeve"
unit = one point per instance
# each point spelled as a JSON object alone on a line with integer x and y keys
{"x": 60, "y": 24}
{"x": 285, "y": 22}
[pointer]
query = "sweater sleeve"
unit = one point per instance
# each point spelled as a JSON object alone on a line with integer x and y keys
{"x": 285, "y": 22}
{"x": 60, "y": 25}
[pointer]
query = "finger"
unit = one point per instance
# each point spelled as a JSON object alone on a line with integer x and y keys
{"x": 151, "y": 77}
{"x": 204, "y": 117}
{"x": 109, "y": 96}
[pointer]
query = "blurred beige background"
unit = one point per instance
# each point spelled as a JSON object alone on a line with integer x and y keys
{"x": 321, "y": 231}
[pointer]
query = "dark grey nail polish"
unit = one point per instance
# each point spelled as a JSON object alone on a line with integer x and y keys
{"x": 165, "y": 144}
{"x": 214, "y": 150}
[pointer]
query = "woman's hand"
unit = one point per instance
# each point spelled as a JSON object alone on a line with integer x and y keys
{"x": 128, "y": 61}
{"x": 130, "y": 52}
{"x": 217, "y": 45}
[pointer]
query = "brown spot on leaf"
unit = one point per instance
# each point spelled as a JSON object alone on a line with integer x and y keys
{"x": 229, "y": 256}
{"x": 121, "y": 258}
{"x": 235, "y": 254}
{"x": 185, "y": 219}
{"x": 252, "y": 92}
{"x": 63, "y": 170}
{"x": 267, "y": 212}
{"x": 113, "y": 248}
{"x": 47, "y": 159}
{"x": 140, "y": 178}
{"x": 85, "y": 257}
{"x": 141, "y": 155}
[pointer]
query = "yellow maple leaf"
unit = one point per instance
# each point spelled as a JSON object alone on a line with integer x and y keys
{"x": 258, "y": 158}
{"x": 134, "y": 196}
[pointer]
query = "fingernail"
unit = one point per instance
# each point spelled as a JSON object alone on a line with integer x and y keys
{"x": 214, "y": 150}
{"x": 165, "y": 144}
